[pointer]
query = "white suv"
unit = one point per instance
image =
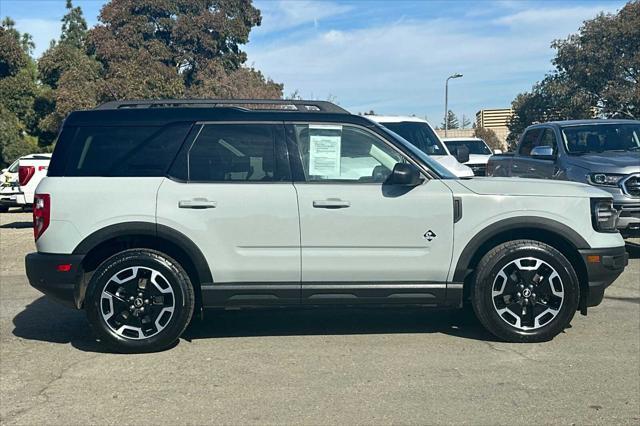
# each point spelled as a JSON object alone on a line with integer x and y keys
{"x": 419, "y": 133}
{"x": 155, "y": 210}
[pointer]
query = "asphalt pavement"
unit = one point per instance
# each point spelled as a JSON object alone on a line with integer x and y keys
{"x": 351, "y": 366}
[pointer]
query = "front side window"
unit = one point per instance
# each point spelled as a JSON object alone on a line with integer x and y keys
{"x": 529, "y": 141}
{"x": 603, "y": 137}
{"x": 343, "y": 153}
{"x": 549, "y": 139}
{"x": 234, "y": 153}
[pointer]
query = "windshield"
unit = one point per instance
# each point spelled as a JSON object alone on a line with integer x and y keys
{"x": 601, "y": 138}
{"x": 438, "y": 168}
{"x": 420, "y": 135}
{"x": 474, "y": 146}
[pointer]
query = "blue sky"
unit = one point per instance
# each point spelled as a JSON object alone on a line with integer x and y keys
{"x": 392, "y": 57}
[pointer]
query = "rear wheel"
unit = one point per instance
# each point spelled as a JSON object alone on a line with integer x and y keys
{"x": 139, "y": 301}
{"x": 525, "y": 291}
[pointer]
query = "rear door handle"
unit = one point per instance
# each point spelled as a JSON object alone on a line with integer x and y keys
{"x": 197, "y": 203}
{"x": 331, "y": 204}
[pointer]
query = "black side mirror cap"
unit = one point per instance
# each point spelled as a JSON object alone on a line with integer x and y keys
{"x": 462, "y": 154}
{"x": 404, "y": 174}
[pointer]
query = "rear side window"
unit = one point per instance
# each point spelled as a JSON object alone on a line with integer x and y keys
{"x": 236, "y": 153}
{"x": 132, "y": 151}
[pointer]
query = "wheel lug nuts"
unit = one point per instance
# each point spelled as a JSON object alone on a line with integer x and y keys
{"x": 139, "y": 294}
{"x": 519, "y": 294}
{"x": 146, "y": 301}
{"x": 131, "y": 298}
{"x": 142, "y": 309}
{"x": 132, "y": 307}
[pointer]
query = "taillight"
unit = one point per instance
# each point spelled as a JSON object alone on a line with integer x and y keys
{"x": 25, "y": 173}
{"x": 41, "y": 214}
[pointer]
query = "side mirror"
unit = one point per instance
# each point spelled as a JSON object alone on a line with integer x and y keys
{"x": 462, "y": 154}
{"x": 497, "y": 151}
{"x": 542, "y": 153}
{"x": 404, "y": 174}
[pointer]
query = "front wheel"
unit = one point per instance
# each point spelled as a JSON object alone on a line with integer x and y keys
{"x": 139, "y": 300}
{"x": 525, "y": 291}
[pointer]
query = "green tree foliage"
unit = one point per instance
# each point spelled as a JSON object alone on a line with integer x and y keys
{"x": 18, "y": 91}
{"x": 603, "y": 61}
{"x": 74, "y": 27}
{"x": 178, "y": 48}
{"x": 452, "y": 121}
{"x": 12, "y": 56}
{"x": 139, "y": 49}
{"x": 596, "y": 73}
{"x": 489, "y": 136}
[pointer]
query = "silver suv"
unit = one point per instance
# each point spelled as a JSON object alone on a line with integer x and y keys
{"x": 154, "y": 210}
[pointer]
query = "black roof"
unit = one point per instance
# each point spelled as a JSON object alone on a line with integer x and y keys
{"x": 162, "y": 112}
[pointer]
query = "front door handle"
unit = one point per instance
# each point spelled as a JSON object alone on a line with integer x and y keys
{"x": 197, "y": 203}
{"x": 331, "y": 203}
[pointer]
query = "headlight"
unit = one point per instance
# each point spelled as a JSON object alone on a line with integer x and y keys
{"x": 603, "y": 215}
{"x": 604, "y": 179}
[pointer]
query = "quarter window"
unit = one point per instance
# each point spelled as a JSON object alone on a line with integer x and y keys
{"x": 234, "y": 152}
{"x": 343, "y": 153}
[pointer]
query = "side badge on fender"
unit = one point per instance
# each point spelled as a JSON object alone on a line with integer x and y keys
{"x": 429, "y": 235}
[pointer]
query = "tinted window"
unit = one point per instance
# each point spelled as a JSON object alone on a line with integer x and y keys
{"x": 234, "y": 152}
{"x": 474, "y": 147}
{"x": 420, "y": 135}
{"x": 529, "y": 141}
{"x": 602, "y": 137}
{"x": 548, "y": 139}
{"x": 343, "y": 153}
{"x": 121, "y": 151}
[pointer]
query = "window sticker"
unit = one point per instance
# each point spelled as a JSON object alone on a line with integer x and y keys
{"x": 324, "y": 150}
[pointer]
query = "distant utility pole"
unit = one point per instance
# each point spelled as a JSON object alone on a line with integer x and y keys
{"x": 446, "y": 101}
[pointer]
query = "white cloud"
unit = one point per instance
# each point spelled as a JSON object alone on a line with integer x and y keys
{"x": 401, "y": 67}
{"x": 42, "y": 30}
{"x": 282, "y": 15}
{"x": 565, "y": 17}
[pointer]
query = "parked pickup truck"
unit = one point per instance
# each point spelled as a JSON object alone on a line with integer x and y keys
{"x": 602, "y": 153}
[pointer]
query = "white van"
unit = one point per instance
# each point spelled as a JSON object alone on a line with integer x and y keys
{"x": 419, "y": 133}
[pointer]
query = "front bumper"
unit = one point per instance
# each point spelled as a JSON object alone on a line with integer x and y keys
{"x": 603, "y": 267}
{"x": 44, "y": 275}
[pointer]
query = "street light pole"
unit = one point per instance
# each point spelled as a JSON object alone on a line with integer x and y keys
{"x": 446, "y": 101}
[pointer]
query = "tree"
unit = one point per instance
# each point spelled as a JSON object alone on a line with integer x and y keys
{"x": 74, "y": 27}
{"x": 452, "y": 121}
{"x": 178, "y": 48}
{"x": 465, "y": 121}
{"x": 489, "y": 136}
{"x": 12, "y": 56}
{"x": 596, "y": 73}
{"x": 603, "y": 61}
{"x": 71, "y": 73}
{"x": 554, "y": 98}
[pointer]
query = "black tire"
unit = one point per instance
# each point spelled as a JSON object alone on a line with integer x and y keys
{"x": 528, "y": 328}
{"x": 4, "y": 209}
{"x": 180, "y": 295}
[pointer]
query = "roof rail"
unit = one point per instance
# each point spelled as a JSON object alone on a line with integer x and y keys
{"x": 245, "y": 104}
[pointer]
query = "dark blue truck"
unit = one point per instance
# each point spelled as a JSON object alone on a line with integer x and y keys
{"x": 603, "y": 153}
